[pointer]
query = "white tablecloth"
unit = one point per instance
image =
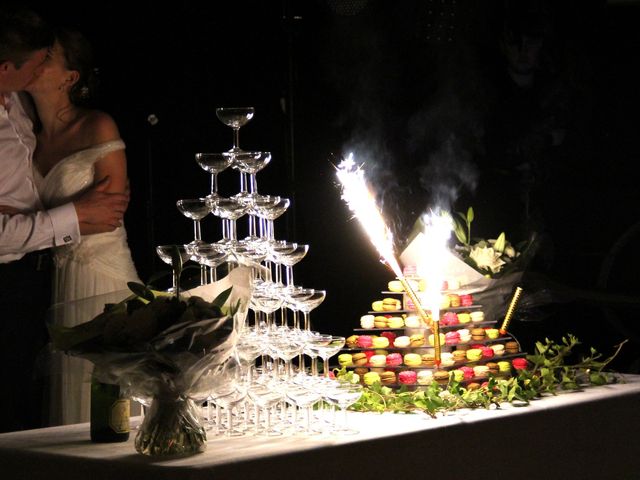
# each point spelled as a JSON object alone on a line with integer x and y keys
{"x": 587, "y": 435}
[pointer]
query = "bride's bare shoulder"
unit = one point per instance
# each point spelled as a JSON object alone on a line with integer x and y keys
{"x": 99, "y": 127}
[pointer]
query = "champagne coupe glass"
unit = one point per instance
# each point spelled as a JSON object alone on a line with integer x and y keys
{"x": 287, "y": 347}
{"x": 195, "y": 209}
{"x": 344, "y": 395}
{"x": 165, "y": 254}
{"x": 214, "y": 163}
{"x": 211, "y": 255}
{"x": 237, "y": 378}
{"x": 229, "y": 209}
{"x": 235, "y": 117}
{"x": 328, "y": 350}
{"x": 256, "y": 202}
{"x": 293, "y": 295}
{"x": 269, "y": 212}
{"x": 252, "y": 163}
{"x": 267, "y": 299}
{"x": 312, "y": 347}
{"x": 265, "y": 396}
{"x": 307, "y": 305}
{"x": 290, "y": 259}
{"x": 305, "y": 398}
{"x": 277, "y": 248}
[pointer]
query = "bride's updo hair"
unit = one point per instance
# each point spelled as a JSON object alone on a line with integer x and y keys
{"x": 78, "y": 56}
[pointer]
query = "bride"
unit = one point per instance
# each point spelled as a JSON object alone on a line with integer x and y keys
{"x": 77, "y": 147}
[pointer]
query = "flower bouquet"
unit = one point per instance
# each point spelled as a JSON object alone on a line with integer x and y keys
{"x": 165, "y": 349}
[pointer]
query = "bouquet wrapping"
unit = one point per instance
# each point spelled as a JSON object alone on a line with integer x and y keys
{"x": 164, "y": 351}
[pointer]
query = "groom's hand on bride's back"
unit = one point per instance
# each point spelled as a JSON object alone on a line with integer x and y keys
{"x": 99, "y": 210}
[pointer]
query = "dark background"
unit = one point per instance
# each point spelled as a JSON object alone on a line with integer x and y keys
{"x": 406, "y": 85}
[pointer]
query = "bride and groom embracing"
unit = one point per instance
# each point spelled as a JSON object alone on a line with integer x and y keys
{"x": 63, "y": 184}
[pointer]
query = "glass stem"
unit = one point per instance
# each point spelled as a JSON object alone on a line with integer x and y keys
{"x": 253, "y": 185}
{"x": 236, "y": 139}
{"x": 278, "y": 273}
{"x": 230, "y": 420}
{"x": 232, "y": 230}
{"x": 252, "y": 226}
{"x": 203, "y": 275}
{"x": 270, "y": 230}
{"x": 214, "y": 184}
{"x": 225, "y": 229}
{"x": 218, "y": 416}
{"x": 289, "y": 272}
{"x": 196, "y": 230}
{"x": 344, "y": 418}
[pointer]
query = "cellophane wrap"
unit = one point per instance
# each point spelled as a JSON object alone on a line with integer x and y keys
{"x": 170, "y": 369}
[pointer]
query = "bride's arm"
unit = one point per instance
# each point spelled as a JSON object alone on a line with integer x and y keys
{"x": 101, "y": 128}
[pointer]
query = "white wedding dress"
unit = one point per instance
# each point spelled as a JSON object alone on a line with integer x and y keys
{"x": 86, "y": 276}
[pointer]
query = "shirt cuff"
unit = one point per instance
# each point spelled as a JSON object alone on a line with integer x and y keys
{"x": 65, "y": 224}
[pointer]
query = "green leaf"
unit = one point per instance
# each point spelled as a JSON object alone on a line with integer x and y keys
{"x": 462, "y": 216}
{"x": 220, "y": 300}
{"x": 176, "y": 260}
{"x": 141, "y": 290}
{"x": 470, "y": 215}
{"x": 460, "y": 232}
{"x": 500, "y": 243}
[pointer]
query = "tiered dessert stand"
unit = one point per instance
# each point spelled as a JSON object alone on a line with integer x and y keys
{"x": 477, "y": 341}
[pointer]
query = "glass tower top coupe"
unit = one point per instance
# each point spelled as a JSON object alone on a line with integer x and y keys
{"x": 235, "y": 117}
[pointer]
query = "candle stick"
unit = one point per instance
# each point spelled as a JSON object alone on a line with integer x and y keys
{"x": 510, "y": 310}
{"x": 434, "y": 325}
{"x": 436, "y": 342}
{"x": 416, "y": 301}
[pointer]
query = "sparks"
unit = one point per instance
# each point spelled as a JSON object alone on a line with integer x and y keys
{"x": 437, "y": 230}
{"x": 361, "y": 201}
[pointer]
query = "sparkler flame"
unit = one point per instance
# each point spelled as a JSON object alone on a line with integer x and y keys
{"x": 437, "y": 230}
{"x": 361, "y": 201}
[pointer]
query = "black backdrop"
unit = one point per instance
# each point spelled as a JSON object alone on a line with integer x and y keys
{"x": 326, "y": 75}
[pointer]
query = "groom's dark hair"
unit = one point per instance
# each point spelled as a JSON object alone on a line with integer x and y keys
{"x": 22, "y": 32}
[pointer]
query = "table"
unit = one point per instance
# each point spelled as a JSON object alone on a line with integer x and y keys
{"x": 591, "y": 434}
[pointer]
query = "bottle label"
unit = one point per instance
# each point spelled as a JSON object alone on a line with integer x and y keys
{"x": 119, "y": 416}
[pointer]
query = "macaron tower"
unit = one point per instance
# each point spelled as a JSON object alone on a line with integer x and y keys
{"x": 394, "y": 344}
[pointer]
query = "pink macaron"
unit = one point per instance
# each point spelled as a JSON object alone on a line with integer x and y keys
{"x": 394, "y": 359}
{"x": 408, "y": 377}
{"x": 365, "y": 341}
{"x": 467, "y": 372}
{"x": 451, "y": 338}
{"x": 487, "y": 352}
{"x": 449, "y": 318}
{"x": 390, "y": 335}
{"x": 466, "y": 300}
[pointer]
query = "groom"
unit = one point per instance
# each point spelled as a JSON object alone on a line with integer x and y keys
{"x": 26, "y": 230}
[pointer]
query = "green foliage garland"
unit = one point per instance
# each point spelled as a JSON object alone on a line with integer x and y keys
{"x": 549, "y": 372}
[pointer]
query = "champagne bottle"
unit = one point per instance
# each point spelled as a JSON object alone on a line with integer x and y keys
{"x": 109, "y": 413}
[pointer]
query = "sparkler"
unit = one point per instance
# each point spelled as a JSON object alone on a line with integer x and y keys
{"x": 361, "y": 201}
{"x": 436, "y": 233}
{"x": 510, "y": 310}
